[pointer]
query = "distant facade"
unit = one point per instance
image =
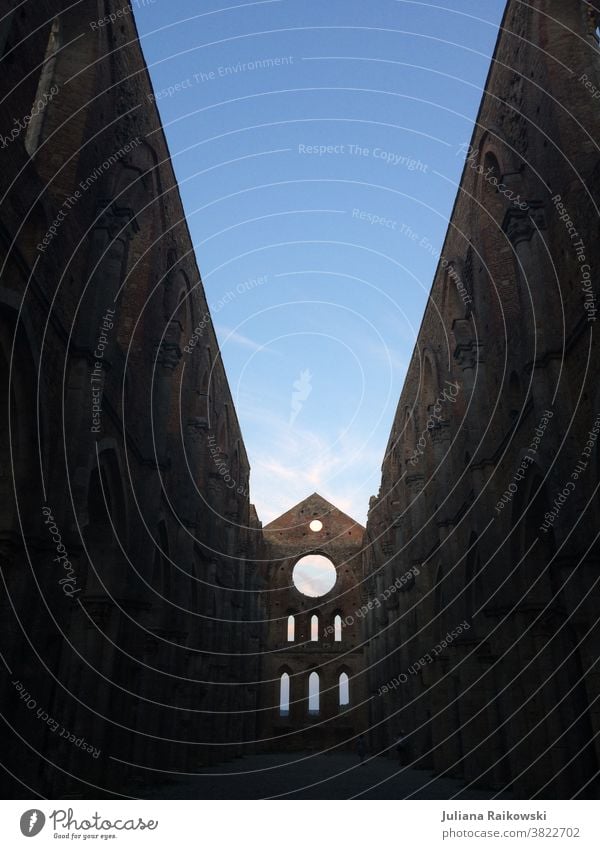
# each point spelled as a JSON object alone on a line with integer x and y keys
{"x": 489, "y": 485}
{"x": 314, "y": 693}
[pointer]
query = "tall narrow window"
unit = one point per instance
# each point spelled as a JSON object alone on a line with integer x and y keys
{"x": 33, "y": 136}
{"x": 337, "y": 629}
{"x": 291, "y": 629}
{"x": 314, "y": 628}
{"x": 313, "y": 694}
{"x": 344, "y": 690}
{"x": 284, "y": 695}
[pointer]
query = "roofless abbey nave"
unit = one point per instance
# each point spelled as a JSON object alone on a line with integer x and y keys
{"x": 150, "y": 625}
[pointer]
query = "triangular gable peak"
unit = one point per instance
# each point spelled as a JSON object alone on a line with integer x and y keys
{"x": 315, "y": 509}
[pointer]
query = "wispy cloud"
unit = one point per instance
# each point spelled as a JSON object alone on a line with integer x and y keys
{"x": 228, "y": 336}
{"x": 291, "y": 463}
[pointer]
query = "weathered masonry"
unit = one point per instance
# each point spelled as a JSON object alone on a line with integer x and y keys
{"x": 490, "y": 475}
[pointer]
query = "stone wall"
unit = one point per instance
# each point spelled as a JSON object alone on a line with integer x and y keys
{"x": 129, "y": 606}
{"x": 489, "y": 662}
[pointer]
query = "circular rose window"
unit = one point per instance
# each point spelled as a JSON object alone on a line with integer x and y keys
{"x": 314, "y": 575}
{"x": 316, "y": 525}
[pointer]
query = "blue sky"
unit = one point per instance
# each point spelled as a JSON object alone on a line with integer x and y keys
{"x": 315, "y": 142}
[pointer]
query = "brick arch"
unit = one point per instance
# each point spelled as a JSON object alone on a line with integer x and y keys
{"x": 492, "y": 142}
{"x": 134, "y": 178}
{"x": 457, "y": 297}
{"x": 185, "y": 314}
{"x": 313, "y": 549}
{"x": 501, "y": 167}
{"x": 430, "y": 382}
{"x": 177, "y": 296}
{"x": 108, "y": 453}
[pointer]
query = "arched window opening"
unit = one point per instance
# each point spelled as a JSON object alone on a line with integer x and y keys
{"x": 492, "y": 175}
{"x": 337, "y": 629}
{"x": 493, "y": 200}
{"x": 177, "y": 314}
{"x": 428, "y": 386}
{"x": 314, "y": 628}
{"x": 291, "y": 629}
{"x": 284, "y": 695}
{"x": 33, "y": 136}
{"x": 344, "y": 691}
{"x": 313, "y": 694}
